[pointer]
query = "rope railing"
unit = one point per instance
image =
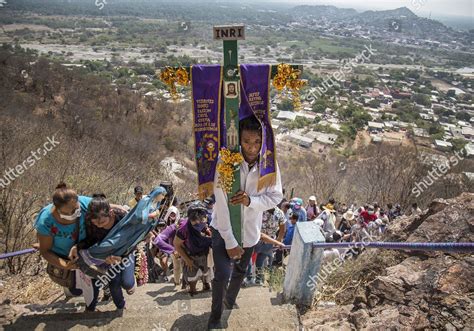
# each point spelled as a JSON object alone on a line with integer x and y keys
{"x": 459, "y": 247}
{"x": 17, "y": 253}
{"x": 462, "y": 247}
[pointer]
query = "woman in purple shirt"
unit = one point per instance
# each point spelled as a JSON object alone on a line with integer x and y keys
{"x": 164, "y": 242}
{"x": 193, "y": 241}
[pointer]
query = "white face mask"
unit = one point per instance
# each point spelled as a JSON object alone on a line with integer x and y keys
{"x": 371, "y": 212}
{"x": 77, "y": 214}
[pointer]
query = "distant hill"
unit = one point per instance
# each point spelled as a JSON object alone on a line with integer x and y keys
{"x": 328, "y": 12}
{"x": 406, "y": 22}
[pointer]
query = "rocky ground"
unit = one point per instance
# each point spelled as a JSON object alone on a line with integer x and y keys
{"x": 411, "y": 290}
{"x": 159, "y": 307}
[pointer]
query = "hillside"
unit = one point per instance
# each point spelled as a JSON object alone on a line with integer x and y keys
{"x": 407, "y": 23}
{"x": 407, "y": 290}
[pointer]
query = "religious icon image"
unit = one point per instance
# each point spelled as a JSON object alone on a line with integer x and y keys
{"x": 231, "y": 90}
{"x": 211, "y": 147}
{"x": 211, "y": 154}
{"x": 232, "y": 135}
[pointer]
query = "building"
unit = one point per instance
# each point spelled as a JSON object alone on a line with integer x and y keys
{"x": 469, "y": 148}
{"x": 456, "y": 132}
{"x": 468, "y": 132}
{"x": 302, "y": 141}
{"x": 420, "y": 132}
{"x": 376, "y": 126}
{"x": 327, "y": 138}
{"x": 309, "y": 116}
{"x": 286, "y": 115}
{"x": 276, "y": 124}
{"x": 443, "y": 145}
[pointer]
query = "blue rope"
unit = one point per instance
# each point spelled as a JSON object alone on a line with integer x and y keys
{"x": 467, "y": 247}
{"x": 17, "y": 253}
{"x": 442, "y": 247}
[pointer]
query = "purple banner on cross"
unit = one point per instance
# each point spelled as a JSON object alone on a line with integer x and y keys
{"x": 255, "y": 100}
{"x": 206, "y": 82}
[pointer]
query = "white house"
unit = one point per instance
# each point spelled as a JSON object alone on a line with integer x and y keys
{"x": 468, "y": 132}
{"x": 376, "y": 126}
{"x": 469, "y": 148}
{"x": 327, "y": 138}
{"x": 286, "y": 115}
{"x": 443, "y": 145}
{"x": 301, "y": 140}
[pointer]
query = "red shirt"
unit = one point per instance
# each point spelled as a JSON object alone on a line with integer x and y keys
{"x": 368, "y": 218}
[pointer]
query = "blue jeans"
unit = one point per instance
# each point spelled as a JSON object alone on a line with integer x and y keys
{"x": 221, "y": 286}
{"x": 121, "y": 276}
{"x": 263, "y": 251}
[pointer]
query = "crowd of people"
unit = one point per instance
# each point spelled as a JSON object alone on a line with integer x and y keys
{"x": 179, "y": 248}
{"x": 91, "y": 244}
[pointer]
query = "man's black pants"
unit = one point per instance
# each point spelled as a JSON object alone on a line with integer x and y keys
{"x": 221, "y": 287}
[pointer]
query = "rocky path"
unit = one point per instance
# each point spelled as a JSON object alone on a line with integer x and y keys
{"x": 161, "y": 307}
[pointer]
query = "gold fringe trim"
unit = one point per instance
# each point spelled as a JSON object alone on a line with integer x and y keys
{"x": 266, "y": 181}
{"x": 205, "y": 190}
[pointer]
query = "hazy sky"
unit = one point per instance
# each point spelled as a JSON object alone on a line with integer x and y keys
{"x": 419, "y": 7}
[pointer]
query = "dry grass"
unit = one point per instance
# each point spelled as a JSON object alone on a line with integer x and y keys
{"x": 28, "y": 289}
{"x": 275, "y": 278}
{"x": 343, "y": 284}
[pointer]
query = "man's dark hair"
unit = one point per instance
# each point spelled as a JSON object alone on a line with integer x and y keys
{"x": 285, "y": 205}
{"x": 336, "y": 236}
{"x": 250, "y": 123}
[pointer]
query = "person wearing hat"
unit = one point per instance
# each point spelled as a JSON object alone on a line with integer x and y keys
{"x": 138, "y": 191}
{"x": 299, "y": 210}
{"x": 312, "y": 209}
{"x": 329, "y": 220}
{"x": 346, "y": 222}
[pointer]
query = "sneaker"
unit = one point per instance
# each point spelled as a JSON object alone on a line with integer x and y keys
{"x": 132, "y": 290}
{"x": 206, "y": 287}
{"x": 248, "y": 282}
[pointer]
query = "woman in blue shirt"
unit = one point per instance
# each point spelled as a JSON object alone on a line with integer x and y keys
{"x": 57, "y": 228}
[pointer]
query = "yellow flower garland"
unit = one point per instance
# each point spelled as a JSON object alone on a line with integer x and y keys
{"x": 288, "y": 77}
{"x": 171, "y": 76}
{"x": 230, "y": 163}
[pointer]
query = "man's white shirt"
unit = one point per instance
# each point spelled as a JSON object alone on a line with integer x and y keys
{"x": 260, "y": 201}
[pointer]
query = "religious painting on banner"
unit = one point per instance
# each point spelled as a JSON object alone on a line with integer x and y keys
{"x": 231, "y": 90}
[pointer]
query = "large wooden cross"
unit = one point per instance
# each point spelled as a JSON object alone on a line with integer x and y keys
{"x": 230, "y": 34}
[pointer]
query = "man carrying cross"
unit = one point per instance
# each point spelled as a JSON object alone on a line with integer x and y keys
{"x": 235, "y": 155}
{"x": 225, "y": 247}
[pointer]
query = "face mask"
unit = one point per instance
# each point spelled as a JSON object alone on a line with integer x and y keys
{"x": 77, "y": 214}
{"x": 199, "y": 227}
{"x": 371, "y": 212}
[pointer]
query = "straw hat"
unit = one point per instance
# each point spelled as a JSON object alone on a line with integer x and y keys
{"x": 330, "y": 208}
{"x": 348, "y": 215}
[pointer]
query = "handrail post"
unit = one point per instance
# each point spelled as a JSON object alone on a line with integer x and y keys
{"x": 304, "y": 264}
